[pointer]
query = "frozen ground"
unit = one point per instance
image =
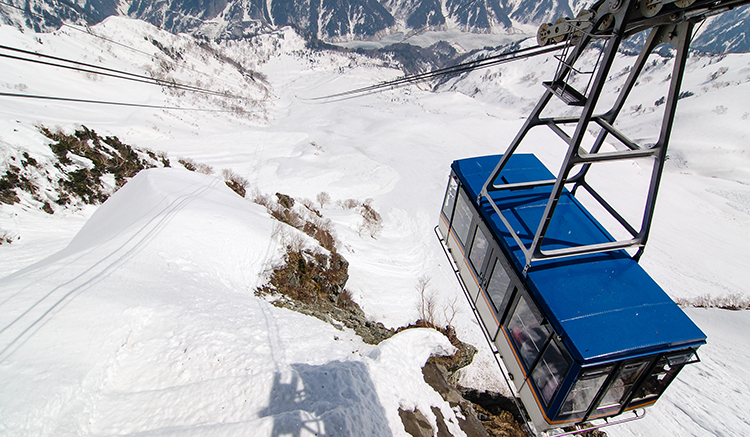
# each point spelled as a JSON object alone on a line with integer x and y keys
{"x": 143, "y": 320}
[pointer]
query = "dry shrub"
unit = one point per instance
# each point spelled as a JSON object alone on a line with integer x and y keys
{"x": 320, "y": 230}
{"x": 450, "y": 311}
{"x": 237, "y": 183}
{"x": 346, "y": 300}
{"x": 311, "y": 207}
{"x": 163, "y": 158}
{"x": 349, "y": 203}
{"x": 260, "y": 198}
{"x": 372, "y": 223}
{"x": 323, "y": 199}
{"x": 312, "y": 223}
{"x": 427, "y": 303}
{"x": 188, "y": 163}
{"x": 204, "y": 168}
{"x": 293, "y": 241}
{"x": 285, "y": 215}
{"x": 734, "y": 301}
{"x": 199, "y": 167}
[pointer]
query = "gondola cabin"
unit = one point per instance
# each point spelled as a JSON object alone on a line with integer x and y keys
{"x": 583, "y": 337}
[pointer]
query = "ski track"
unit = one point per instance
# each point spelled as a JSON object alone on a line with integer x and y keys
{"x": 23, "y": 324}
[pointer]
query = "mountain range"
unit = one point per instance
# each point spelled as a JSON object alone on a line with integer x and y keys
{"x": 342, "y": 20}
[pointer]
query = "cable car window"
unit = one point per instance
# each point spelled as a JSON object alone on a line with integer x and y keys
{"x": 550, "y": 371}
{"x": 479, "y": 249}
{"x": 664, "y": 372}
{"x": 618, "y": 391}
{"x": 497, "y": 288}
{"x": 462, "y": 218}
{"x": 527, "y": 331}
{"x": 450, "y": 198}
{"x": 584, "y": 390}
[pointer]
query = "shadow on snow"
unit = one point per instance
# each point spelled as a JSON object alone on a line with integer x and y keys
{"x": 334, "y": 399}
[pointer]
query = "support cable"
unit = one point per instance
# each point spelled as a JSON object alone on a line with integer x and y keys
{"x": 89, "y": 32}
{"x": 104, "y": 102}
{"x": 455, "y": 69}
{"x": 110, "y": 72}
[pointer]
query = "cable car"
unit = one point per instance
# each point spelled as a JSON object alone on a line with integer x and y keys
{"x": 581, "y": 331}
{"x": 582, "y": 337}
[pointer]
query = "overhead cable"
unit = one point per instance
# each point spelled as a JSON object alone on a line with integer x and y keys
{"x": 88, "y": 31}
{"x": 454, "y": 69}
{"x": 104, "y": 102}
{"x": 110, "y": 72}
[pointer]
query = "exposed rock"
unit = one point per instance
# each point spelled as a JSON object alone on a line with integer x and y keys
{"x": 415, "y": 423}
{"x": 285, "y": 200}
{"x": 460, "y": 359}
{"x": 437, "y": 376}
{"x": 497, "y": 413}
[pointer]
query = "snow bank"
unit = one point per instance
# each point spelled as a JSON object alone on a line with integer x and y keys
{"x": 147, "y": 322}
{"x": 396, "y": 367}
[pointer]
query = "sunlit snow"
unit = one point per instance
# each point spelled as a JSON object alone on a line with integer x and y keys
{"x": 139, "y": 317}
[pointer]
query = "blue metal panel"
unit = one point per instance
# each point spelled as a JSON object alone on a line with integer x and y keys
{"x": 605, "y": 306}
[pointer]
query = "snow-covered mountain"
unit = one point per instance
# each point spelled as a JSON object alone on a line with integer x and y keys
{"x": 726, "y": 32}
{"x": 139, "y": 317}
{"x": 339, "y": 20}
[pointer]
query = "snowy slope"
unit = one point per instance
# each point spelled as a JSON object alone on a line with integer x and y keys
{"x": 146, "y": 322}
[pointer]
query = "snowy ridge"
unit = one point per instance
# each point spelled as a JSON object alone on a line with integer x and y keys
{"x": 143, "y": 320}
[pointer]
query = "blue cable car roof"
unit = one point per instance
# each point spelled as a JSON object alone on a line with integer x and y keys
{"x": 605, "y": 306}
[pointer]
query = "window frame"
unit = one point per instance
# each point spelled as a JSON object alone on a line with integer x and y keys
{"x": 597, "y": 409}
{"x": 604, "y": 370}
{"x": 452, "y": 195}
{"x": 518, "y": 347}
{"x": 657, "y": 367}
{"x": 555, "y": 342}
{"x": 501, "y": 305}
{"x": 484, "y": 257}
{"x": 458, "y": 214}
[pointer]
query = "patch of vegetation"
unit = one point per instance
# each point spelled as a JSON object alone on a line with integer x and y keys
{"x": 313, "y": 283}
{"x": 372, "y": 222}
{"x": 21, "y": 179}
{"x": 306, "y": 218}
{"x": 237, "y": 183}
{"x": 312, "y": 277}
{"x": 734, "y": 302}
{"x": 102, "y": 156}
{"x": 199, "y": 167}
{"x": 176, "y": 55}
{"x": 8, "y": 184}
{"x": 310, "y": 281}
{"x": 84, "y": 162}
